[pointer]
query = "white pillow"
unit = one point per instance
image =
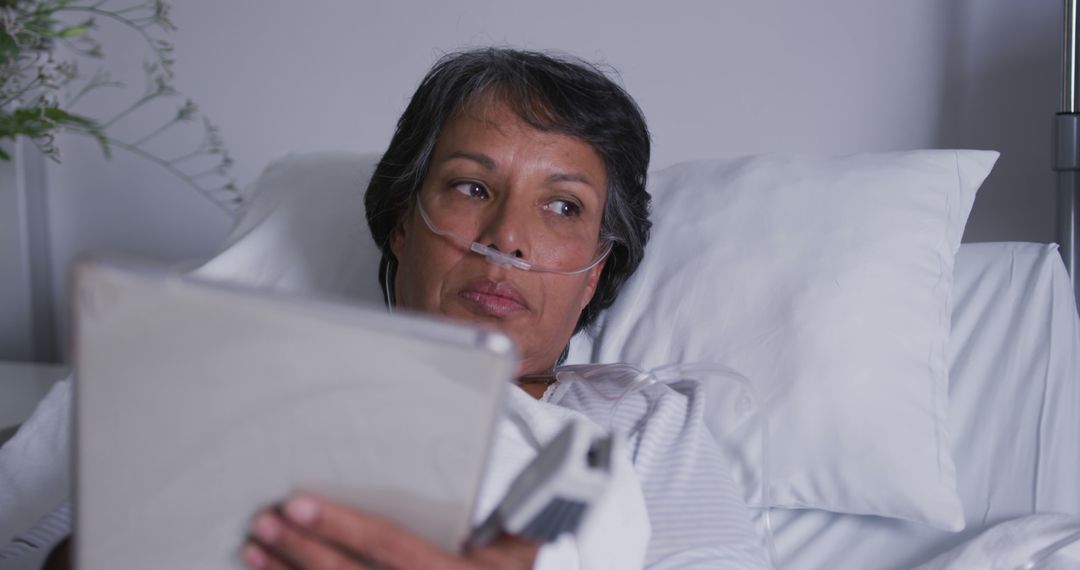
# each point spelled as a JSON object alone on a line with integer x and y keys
{"x": 827, "y": 282}
{"x": 303, "y": 229}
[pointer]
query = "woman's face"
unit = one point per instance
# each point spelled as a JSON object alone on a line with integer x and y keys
{"x": 531, "y": 187}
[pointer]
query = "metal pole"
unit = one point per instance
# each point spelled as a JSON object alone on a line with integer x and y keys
{"x": 1067, "y": 150}
{"x": 1068, "y": 60}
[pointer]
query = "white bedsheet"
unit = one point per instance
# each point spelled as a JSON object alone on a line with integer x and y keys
{"x": 1014, "y": 416}
{"x": 1044, "y": 541}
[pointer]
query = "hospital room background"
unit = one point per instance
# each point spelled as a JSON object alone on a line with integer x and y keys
{"x": 714, "y": 79}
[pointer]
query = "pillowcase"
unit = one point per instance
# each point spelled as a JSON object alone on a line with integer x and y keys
{"x": 303, "y": 229}
{"x": 827, "y": 282}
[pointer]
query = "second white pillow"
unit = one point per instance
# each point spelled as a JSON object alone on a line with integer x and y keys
{"x": 827, "y": 282}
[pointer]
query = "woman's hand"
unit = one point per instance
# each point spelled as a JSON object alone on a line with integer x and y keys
{"x": 315, "y": 534}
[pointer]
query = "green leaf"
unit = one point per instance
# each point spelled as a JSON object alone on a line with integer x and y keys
{"x": 38, "y": 121}
{"x": 63, "y": 117}
{"x": 81, "y": 123}
{"x": 4, "y": 155}
{"x": 29, "y": 122}
{"x": 9, "y": 50}
{"x": 72, "y": 31}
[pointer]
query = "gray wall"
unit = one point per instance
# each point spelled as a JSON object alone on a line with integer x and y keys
{"x": 714, "y": 79}
{"x": 1001, "y": 90}
{"x": 15, "y": 336}
{"x": 26, "y": 308}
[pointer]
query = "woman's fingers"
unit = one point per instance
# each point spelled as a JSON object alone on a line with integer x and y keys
{"x": 256, "y": 556}
{"x": 506, "y": 552}
{"x": 368, "y": 536}
{"x": 359, "y": 535}
{"x": 280, "y": 546}
{"x": 314, "y": 534}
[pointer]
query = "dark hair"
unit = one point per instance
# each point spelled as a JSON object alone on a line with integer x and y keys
{"x": 550, "y": 93}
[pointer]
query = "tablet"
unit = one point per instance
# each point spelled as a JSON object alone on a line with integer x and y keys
{"x": 197, "y": 404}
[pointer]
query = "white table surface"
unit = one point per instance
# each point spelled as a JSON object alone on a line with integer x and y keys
{"x": 22, "y": 386}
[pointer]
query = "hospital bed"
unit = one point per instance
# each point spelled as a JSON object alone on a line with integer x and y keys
{"x": 1012, "y": 346}
{"x": 851, "y": 483}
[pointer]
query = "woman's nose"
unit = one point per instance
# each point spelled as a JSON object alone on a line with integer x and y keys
{"x": 506, "y": 229}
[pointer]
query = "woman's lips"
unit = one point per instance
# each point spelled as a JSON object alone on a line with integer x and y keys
{"x": 493, "y": 299}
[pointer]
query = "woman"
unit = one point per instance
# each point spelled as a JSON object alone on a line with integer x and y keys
{"x": 512, "y": 195}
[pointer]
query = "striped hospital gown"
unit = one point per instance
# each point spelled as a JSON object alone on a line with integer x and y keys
{"x": 698, "y": 517}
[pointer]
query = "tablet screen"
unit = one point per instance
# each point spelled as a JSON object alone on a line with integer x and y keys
{"x": 198, "y": 404}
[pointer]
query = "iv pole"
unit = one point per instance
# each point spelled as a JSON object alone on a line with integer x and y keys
{"x": 1067, "y": 150}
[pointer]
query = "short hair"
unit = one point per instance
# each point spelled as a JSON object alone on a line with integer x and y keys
{"x": 550, "y": 93}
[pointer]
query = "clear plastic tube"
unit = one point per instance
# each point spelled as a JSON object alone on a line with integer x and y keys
{"x": 634, "y": 379}
{"x": 501, "y": 259}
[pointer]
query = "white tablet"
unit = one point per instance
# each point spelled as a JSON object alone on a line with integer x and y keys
{"x": 197, "y": 404}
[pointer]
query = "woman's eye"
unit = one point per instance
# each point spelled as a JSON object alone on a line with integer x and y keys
{"x": 564, "y": 208}
{"x": 471, "y": 190}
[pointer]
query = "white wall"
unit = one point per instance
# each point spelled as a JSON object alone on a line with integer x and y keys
{"x": 714, "y": 78}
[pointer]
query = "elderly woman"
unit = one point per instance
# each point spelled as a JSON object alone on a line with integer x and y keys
{"x": 512, "y": 195}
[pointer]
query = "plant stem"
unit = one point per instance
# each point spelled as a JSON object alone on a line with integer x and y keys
{"x": 116, "y": 17}
{"x": 81, "y": 51}
{"x": 92, "y": 84}
{"x": 208, "y": 172}
{"x": 155, "y": 132}
{"x": 166, "y": 165}
{"x": 188, "y": 156}
{"x": 142, "y": 101}
{"x": 124, "y": 10}
{"x": 18, "y": 96}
